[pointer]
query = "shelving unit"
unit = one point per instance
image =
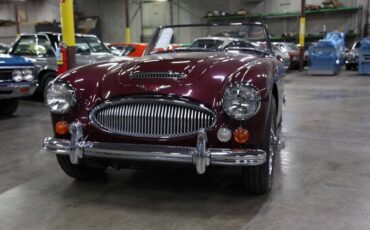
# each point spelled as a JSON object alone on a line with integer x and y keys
{"x": 241, "y": 18}
{"x": 293, "y": 16}
{"x": 308, "y": 38}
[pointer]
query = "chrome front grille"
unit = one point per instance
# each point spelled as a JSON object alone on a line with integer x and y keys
{"x": 158, "y": 75}
{"x": 152, "y": 117}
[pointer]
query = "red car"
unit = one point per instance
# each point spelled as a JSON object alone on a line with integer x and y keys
{"x": 199, "y": 105}
{"x": 128, "y": 49}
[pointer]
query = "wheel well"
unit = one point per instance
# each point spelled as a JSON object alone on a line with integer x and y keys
{"x": 275, "y": 94}
{"x": 42, "y": 74}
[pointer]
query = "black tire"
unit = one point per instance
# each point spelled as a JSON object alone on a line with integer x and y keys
{"x": 80, "y": 172}
{"x": 8, "y": 106}
{"x": 258, "y": 179}
{"x": 349, "y": 67}
{"x": 46, "y": 79}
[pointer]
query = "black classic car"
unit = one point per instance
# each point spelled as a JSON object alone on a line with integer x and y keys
{"x": 206, "y": 106}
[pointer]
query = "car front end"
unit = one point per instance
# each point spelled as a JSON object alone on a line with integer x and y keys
{"x": 174, "y": 124}
{"x": 199, "y": 106}
{"x": 16, "y": 77}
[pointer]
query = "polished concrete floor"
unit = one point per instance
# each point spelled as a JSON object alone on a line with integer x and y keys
{"x": 322, "y": 175}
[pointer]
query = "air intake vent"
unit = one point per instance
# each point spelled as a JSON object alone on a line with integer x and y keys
{"x": 158, "y": 75}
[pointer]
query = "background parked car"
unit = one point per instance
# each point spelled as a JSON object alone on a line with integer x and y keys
{"x": 218, "y": 43}
{"x": 281, "y": 56}
{"x": 352, "y": 57}
{"x": 128, "y": 49}
{"x": 16, "y": 80}
{"x": 293, "y": 51}
{"x": 42, "y": 48}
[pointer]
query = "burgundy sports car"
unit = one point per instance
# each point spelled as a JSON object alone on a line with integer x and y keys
{"x": 205, "y": 106}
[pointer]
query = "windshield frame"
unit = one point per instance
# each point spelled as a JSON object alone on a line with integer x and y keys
{"x": 157, "y": 32}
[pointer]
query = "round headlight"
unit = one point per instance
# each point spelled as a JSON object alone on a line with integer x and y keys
{"x": 59, "y": 97}
{"x": 241, "y": 101}
{"x": 17, "y": 76}
{"x": 27, "y": 75}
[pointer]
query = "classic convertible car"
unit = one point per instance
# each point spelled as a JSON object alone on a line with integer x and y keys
{"x": 202, "y": 106}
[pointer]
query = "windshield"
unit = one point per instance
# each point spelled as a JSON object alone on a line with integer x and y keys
{"x": 209, "y": 38}
{"x": 33, "y": 45}
{"x": 206, "y": 43}
{"x": 286, "y": 47}
{"x": 90, "y": 44}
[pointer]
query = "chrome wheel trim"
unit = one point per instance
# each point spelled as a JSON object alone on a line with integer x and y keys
{"x": 272, "y": 148}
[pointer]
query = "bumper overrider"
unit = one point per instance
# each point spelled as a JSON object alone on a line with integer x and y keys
{"x": 15, "y": 90}
{"x": 201, "y": 156}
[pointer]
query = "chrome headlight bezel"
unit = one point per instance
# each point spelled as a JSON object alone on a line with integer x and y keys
{"x": 256, "y": 99}
{"x": 17, "y": 75}
{"x": 26, "y": 74}
{"x": 66, "y": 92}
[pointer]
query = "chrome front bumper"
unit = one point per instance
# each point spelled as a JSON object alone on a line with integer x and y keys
{"x": 200, "y": 156}
{"x": 15, "y": 90}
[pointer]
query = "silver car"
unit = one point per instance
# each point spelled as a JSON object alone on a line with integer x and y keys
{"x": 219, "y": 43}
{"x": 352, "y": 58}
{"x": 42, "y": 48}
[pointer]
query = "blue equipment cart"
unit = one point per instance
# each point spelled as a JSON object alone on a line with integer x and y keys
{"x": 364, "y": 56}
{"x": 327, "y": 57}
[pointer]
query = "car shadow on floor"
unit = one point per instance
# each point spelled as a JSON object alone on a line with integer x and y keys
{"x": 176, "y": 190}
{"x": 215, "y": 193}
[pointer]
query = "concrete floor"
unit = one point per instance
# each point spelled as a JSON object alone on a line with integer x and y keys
{"x": 322, "y": 175}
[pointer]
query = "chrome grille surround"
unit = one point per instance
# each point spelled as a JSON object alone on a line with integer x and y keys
{"x": 153, "y": 117}
{"x": 158, "y": 75}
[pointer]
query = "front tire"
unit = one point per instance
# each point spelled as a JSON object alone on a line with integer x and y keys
{"x": 8, "y": 106}
{"x": 80, "y": 172}
{"x": 46, "y": 79}
{"x": 349, "y": 67}
{"x": 258, "y": 179}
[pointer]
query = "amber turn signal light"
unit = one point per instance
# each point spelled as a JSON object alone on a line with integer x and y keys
{"x": 241, "y": 136}
{"x": 61, "y": 127}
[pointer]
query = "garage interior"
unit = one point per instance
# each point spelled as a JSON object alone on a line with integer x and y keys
{"x": 321, "y": 174}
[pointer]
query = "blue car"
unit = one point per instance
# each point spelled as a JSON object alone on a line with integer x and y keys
{"x": 16, "y": 80}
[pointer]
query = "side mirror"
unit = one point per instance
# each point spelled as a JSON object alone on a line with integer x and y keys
{"x": 280, "y": 59}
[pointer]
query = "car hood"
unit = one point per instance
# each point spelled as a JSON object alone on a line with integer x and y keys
{"x": 10, "y": 60}
{"x": 83, "y": 59}
{"x": 206, "y": 75}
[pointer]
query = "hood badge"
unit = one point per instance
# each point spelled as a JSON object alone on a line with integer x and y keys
{"x": 153, "y": 88}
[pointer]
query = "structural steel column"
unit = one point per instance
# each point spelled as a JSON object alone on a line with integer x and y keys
{"x": 68, "y": 31}
{"x": 302, "y": 32}
{"x": 127, "y": 30}
{"x": 16, "y": 18}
